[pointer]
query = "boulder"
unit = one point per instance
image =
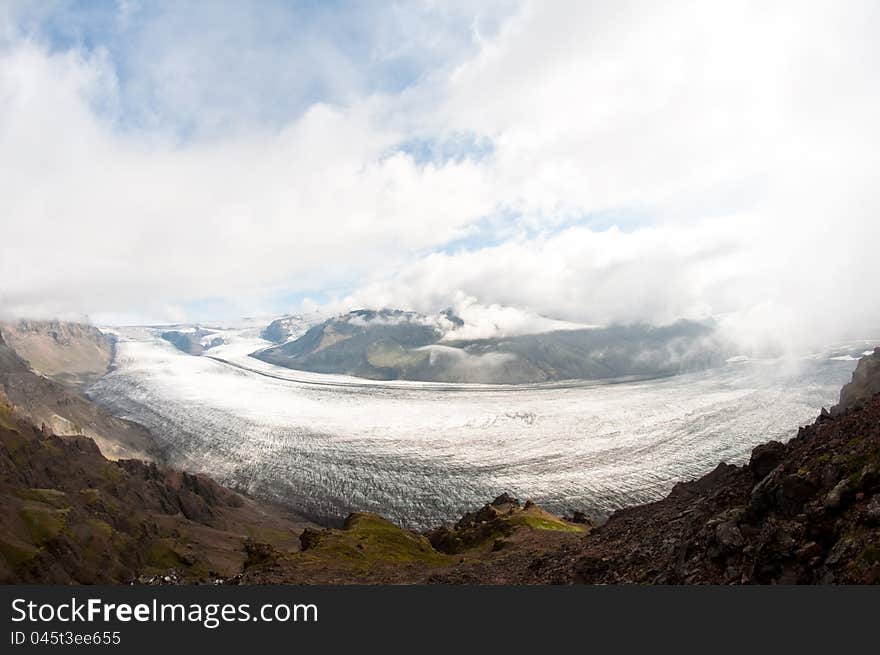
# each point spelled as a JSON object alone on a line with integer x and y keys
{"x": 794, "y": 491}
{"x": 486, "y": 513}
{"x": 728, "y": 536}
{"x": 309, "y": 538}
{"x": 504, "y": 499}
{"x": 765, "y": 458}
{"x": 257, "y": 552}
{"x": 869, "y": 478}
{"x": 779, "y": 492}
{"x": 835, "y": 498}
{"x": 763, "y": 494}
{"x": 872, "y": 511}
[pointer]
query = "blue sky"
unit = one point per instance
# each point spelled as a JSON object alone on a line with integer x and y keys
{"x": 258, "y": 64}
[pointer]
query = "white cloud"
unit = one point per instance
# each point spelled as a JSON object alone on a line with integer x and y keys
{"x": 743, "y": 136}
{"x": 745, "y": 131}
{"x": 487, "y": 321}
{"x": 102, "y": 221}
{"x": 579, "y": 275}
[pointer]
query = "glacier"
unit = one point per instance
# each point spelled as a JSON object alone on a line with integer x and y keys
{"x": 422, "y": 453}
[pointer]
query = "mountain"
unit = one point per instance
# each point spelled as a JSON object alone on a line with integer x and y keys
{"x": 60, "y": 407}
{"x": 284, "y": 328}
{"x": 394, "y": 344}
{"x": 69, "y": 515}
{"x": 70, "y": 353}
{"x": 192, "y": 341}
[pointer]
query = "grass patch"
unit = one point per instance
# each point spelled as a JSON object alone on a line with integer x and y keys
{"x": 43, "y": 523}
{"x": 7, "y": 421}
{"x": 53, "y": 497}
{"x": 100, "y": 529}
{"x": 162, "y": 556}
{"x": 870, "y": 554}
{"x": 369, "y": 539}
{"x": 537, "y": 519}
{"x": 16, "y": 555}
{"x": 536, "y": 523}
{"x": 91, "y": 495}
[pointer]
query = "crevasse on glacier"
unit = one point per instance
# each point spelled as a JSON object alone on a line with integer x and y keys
{"x": 420, "y": 454}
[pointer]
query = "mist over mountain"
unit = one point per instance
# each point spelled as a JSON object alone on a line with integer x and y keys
{"x": 392, "y": 344}
{"x": 193, "y": 341}
{"x": 284, "y": 328}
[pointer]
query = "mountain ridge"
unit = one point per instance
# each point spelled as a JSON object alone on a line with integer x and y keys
{"x": 394, "y": 344}
{"x": 63, "y": 409}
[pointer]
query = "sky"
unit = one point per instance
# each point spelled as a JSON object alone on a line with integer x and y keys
{"x": 589, "y": 162}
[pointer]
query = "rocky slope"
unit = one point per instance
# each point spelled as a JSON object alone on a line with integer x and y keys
{"x": 69, "y": 515}
{"x": 43, "y": 401}
{"x": 72, "y": 354}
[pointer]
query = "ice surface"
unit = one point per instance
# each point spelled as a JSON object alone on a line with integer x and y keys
{"x": 421, "y": 453}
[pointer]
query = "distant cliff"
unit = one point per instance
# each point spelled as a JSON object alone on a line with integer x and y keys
{"x": 73, "y": 354}
{"x": 59, "y": 406}
{"x": 865, "y": 384}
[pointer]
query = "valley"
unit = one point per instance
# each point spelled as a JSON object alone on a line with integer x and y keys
{"x": 419, "y": 453}
{"x": 332, "y": 479}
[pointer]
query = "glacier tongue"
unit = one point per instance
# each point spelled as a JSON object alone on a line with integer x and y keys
{"x": 422, "y": 453}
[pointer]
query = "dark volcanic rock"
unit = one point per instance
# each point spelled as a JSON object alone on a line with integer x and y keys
{"x": 504, "y": 499}
{"x": 69, "y": 515}
{"x": 835, "y": 498}
{"x": 765, "y": 458}
{"x": 309, "y": 538}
